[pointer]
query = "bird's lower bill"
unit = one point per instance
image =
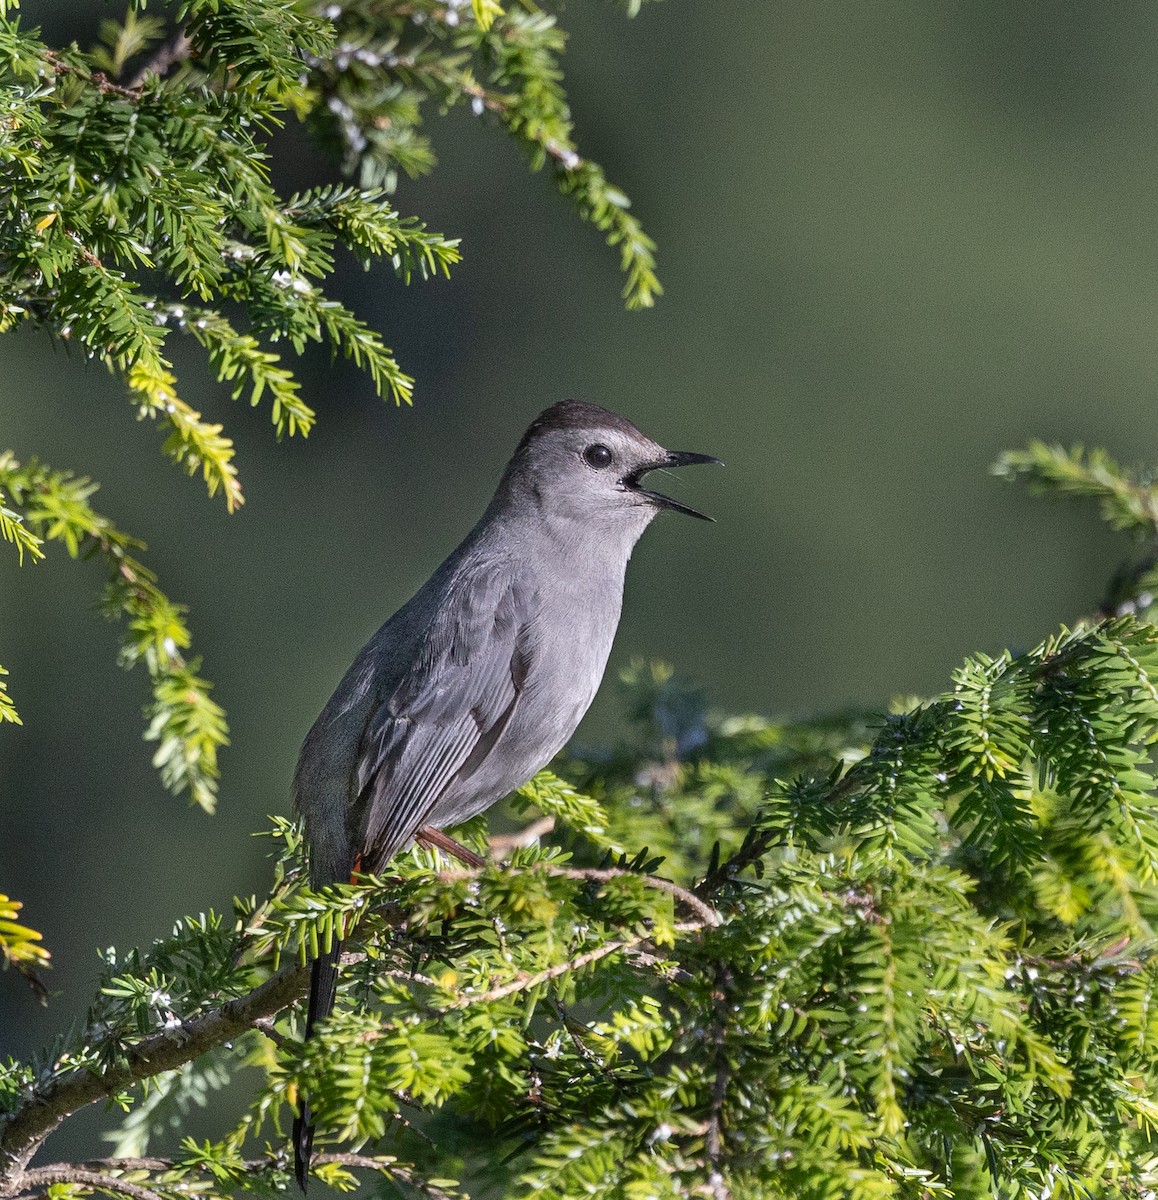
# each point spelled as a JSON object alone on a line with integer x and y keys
{"x": 675, "y": 458}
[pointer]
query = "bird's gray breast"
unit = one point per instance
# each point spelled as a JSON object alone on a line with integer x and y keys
{"x": 569, "y": 623}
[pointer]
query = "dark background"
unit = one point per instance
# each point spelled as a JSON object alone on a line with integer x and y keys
{"x": 896, "y": 238}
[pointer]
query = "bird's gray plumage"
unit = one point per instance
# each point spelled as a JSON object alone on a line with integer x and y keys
{"x": 481, "y": 678}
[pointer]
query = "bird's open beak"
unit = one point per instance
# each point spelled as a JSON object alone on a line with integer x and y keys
{"x": 674, "y": 458}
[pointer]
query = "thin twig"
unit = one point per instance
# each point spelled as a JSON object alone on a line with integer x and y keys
{"x": 97, "y": 78}
{"x": 168, "y": 55}
{"x": 714, "y": 1138}
{"x": 265, "y": 1025}
{"x": 526, "y": 982}
{"x": 503, "y": 843}
{"x": 530, "y": 981}
{"x": 705, "y": 912}
{"x": 398, "y": 1170}
{"x": 123, "y": 1164}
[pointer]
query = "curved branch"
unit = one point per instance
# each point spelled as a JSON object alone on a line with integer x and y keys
{"x": 22, "y": 1133}
{"x": 95, "y": 1173}
{"x": 703, "y": 911}
{"x": 33, "y": 1181}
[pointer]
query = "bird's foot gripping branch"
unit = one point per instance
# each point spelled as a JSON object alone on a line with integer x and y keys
{"x": 912, "y": 956}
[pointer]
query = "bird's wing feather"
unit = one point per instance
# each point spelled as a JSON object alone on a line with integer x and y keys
{"x": 447, "y": 712}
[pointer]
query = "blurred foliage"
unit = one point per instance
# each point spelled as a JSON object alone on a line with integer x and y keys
{"x": 904, "y": 955}
{"x": 19, "y": 945}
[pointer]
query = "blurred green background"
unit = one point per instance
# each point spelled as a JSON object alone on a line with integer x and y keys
{"x": 896, "y": 238}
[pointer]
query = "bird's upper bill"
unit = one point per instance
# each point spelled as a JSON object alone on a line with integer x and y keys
{"x": 673, "y": 458}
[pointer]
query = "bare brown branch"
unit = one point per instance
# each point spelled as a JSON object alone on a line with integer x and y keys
{"x": 39, "y": 1179}
{"x": 97, "y": 1173}
{"x": 175, "y": 51}
{"x": 706, "y": 914}
{"x": 23, "y": 1132}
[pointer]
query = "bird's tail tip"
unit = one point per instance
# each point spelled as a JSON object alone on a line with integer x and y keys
{"x": 303, "y": 1137}
{"x": 323, "y": 990}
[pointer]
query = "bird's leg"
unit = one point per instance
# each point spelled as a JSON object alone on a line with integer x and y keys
{"x": 429, "y": 836}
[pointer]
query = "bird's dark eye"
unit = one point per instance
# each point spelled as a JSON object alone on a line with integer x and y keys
{"x": 597, "y": 456}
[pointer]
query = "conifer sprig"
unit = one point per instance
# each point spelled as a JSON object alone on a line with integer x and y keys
{"x": 187, "y": 725}
{"x": 7, "y": 707}
{"x": 1127, "y": 499}
{"x": 20, "y": 946}
{"x": 391, "y": 59}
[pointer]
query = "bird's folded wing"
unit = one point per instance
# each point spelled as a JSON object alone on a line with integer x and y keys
{"x": 447, "y": 713}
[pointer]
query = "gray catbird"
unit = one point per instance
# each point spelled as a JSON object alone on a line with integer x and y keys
{"x": 480, "y": 679}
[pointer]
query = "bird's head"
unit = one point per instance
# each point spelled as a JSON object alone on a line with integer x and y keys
{"x": 580, "y": 462}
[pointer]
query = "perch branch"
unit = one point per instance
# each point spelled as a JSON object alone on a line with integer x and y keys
{"x": 22, "y": 1133}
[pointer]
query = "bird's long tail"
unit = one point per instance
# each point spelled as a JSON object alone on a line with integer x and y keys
{"x": 323, "y": 992}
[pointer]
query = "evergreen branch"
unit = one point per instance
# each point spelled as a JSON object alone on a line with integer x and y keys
{"x": 1127, "y": 499}
{"x": 13, "y": 529}
{"x": 706, "y": 915}
{"x": 599, "y": 202}
{"x": 167, "y": 174}
{"x": 38, "y": 1179}
{"x": 193, "y": 443}
{"x": 365, "y": 221}
{"x": 97, "y": 1173}
{"x": 362, "y": 345}
{"x": 49, "y": 1102}
{"x": 20, "y": 946}
{"x": 287, "y": 305}
{"x": 530, "y": 982}
{"x": 188, "y": 726}
{"x": 7, "y": 707}
{"x": 375, "y": 84}
{"x": 554, "y": 796}
{"x": 38, "y": 1114}
{"x": 259, "y": 45}
{"x": 239, "y": 359}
